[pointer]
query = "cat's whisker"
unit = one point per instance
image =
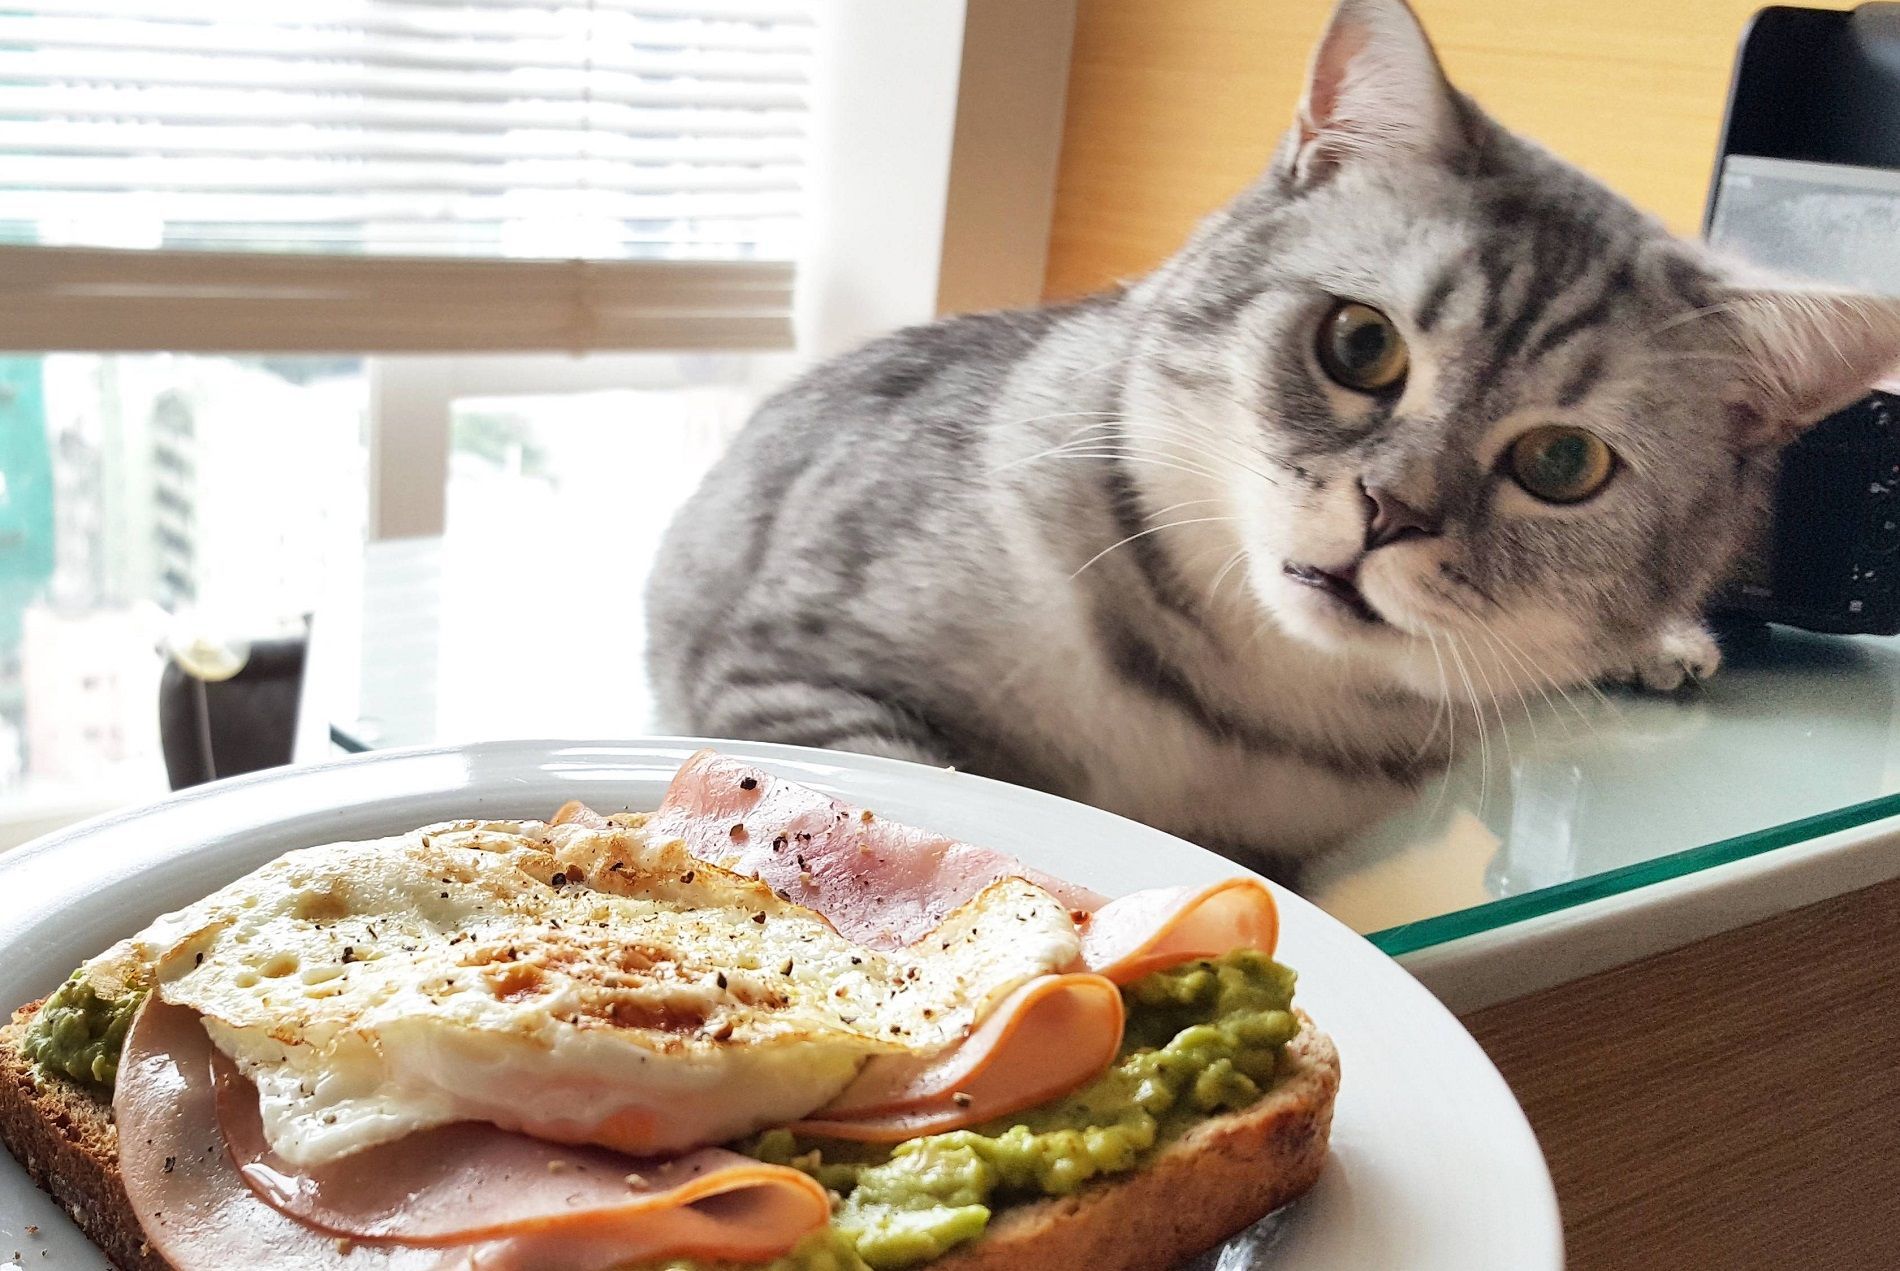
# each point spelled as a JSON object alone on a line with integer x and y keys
{"x": 1213, "y": 590}
{"x": 1715, "y": 310}
{"x": 1131, "y": 457}
{"x": 1105, "y": 422}
{"x": 1158, "y": 433}
{"x": 1438, "y": 714}
{"x": 1477, "y": 718}
{"x": 1108, "y": 419}
{"x": 1102, "y": 418}
{"x": 1199, "y": 456}
{"x": 1111, "y": 364}
{"x": 1570, "y": 699}
{"x": 1264, "y": 624}
{"x": 1485, "y": 630}
{"x": 1810, "y": 304}
{"x": 1058, "y": 448}
{"x": 1181, "y": 445}
{"x": 1178, "y": 419}
{"x": 1603, "y": 699}
{"x": 1547, "y": 678}
{"x": 1111, "y": 433}
{"x": 1134, "y": 453}
{"x": 1692, "y": 355}
{"x": 1497, "y": 706}
{"x": 1176, "y": 507}
{"x": 1451, "y": 729}
{"x": 1539, "y": 677}
{"x": 1560, "y": 688}
{"x": 1096, "y": 451}
{"x": 1517, "y": 652}
{"x": 1153, "y": 529}
{"x": 1196, "y": 431}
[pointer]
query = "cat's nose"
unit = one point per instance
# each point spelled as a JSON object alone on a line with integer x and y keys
{"x": 1389, "y": 519}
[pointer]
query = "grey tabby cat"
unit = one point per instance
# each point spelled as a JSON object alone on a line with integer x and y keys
{"x": 1426, "y": 416}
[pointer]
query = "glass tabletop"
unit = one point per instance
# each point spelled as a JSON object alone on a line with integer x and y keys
{"x": 1599, "y": 794}
{"x": 487, "y": 635}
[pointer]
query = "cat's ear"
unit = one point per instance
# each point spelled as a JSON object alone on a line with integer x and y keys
{"x": 1805, "y": 355}
{"x": 1375, "y": 89}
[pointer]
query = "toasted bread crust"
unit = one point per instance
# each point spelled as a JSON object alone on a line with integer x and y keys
{"x": 63, "y": 1134}
{"x": 1207, "y": 1185}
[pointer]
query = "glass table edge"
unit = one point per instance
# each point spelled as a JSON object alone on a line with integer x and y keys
{"x": 1426, "y": 933}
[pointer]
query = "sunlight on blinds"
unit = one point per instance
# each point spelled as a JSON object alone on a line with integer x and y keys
{"x": 610, "y": 130}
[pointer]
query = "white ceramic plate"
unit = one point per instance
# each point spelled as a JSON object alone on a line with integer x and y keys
{"x": 1433, "y": 1164}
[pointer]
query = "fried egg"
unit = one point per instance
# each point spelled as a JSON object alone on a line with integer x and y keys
{"x": 579, "y": 984}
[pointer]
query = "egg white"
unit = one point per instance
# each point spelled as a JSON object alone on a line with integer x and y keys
{"x": 577, "y": 983}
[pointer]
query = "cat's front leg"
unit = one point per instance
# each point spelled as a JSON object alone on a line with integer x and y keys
{"x": 1679, "y": 656}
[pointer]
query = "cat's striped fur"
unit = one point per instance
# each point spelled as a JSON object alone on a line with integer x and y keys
{"x": 1049, "y": 546}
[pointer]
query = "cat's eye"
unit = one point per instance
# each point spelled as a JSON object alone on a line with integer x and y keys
{"x": 1561, "y": 464}
{"x": 1361, "y": 349}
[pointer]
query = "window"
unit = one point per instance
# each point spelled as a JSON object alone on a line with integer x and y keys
{"x": 254, "y": 196}
{"x": 276, "y": 278}
{"x": 143, "y": 490}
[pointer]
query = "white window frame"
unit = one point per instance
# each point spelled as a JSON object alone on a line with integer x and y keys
{"x": 937, "y": 127}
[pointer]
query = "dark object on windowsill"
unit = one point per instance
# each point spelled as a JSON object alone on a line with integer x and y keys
{"x": 211, "y": 728}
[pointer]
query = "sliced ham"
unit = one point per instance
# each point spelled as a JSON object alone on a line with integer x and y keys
{"x": 1058, "y": 1032}
{"x": 885, "y": 884}
{"x": 1153, "y": 930}
{"x": 467, "y": 1182}
{"x": 1050, "y": 1036}
{"x": 879, "y": 883}
{"x": 192, "y": 1203}
{"x": 460, "y": 1197}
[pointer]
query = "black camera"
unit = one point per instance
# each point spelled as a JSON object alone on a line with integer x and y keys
{"x": 1829, "y": 560}
{"x": 1807, "y": 182}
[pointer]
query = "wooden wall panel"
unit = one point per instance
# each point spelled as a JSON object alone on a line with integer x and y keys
{"x": 1734, "y": 1104}
{"x": 1176, "y": 104}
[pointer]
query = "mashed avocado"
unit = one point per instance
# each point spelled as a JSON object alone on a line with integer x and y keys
{"x": 79, "y": 1034}
{"x": 1202, "y": 1039}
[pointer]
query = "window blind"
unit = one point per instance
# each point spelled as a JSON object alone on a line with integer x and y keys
{"x": 556, "y": 148}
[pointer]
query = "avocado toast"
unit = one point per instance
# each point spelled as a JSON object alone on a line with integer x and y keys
{"x": 1211, "y": 1107}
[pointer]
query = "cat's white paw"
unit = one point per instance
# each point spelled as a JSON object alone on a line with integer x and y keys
{"x": 1681, "y": 656}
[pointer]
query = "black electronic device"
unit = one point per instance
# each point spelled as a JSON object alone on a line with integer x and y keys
{"x": 1807, "y": 181}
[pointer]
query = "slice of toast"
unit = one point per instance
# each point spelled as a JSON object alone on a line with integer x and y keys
{"x": 1214, "y": 1181}
{"x": 63, "y": 1134}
